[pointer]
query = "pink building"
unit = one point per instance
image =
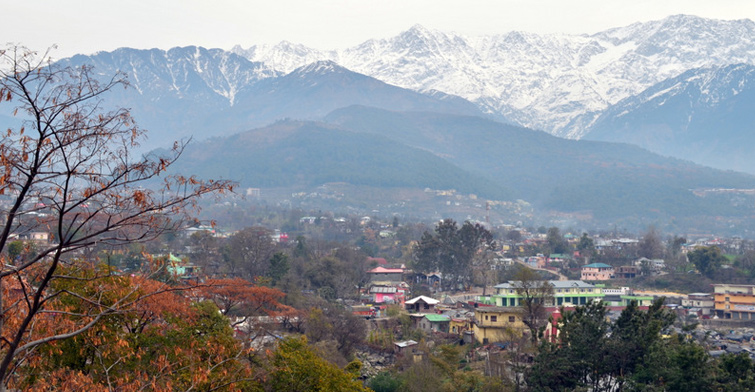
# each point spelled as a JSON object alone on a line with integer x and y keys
{"x": 597, "y": 271}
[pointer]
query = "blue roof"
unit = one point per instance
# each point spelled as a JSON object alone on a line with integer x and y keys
{"x": 597, "y": 265}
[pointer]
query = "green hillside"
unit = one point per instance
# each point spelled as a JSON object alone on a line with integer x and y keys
{"x": 305, "y": 154}
{"x": 609, "y": 180}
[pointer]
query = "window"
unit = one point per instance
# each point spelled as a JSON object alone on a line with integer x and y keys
{"x": 486, "y": 317}
{"x": 493, "y": 319}
{"x": 512, "y": 319}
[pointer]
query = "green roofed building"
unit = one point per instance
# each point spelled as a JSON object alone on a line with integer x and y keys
{"x": 565, "y": 292}
{"x": 434, "y": 323}
{"x": 597, "y": 271}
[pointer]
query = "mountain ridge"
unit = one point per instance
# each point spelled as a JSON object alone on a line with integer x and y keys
{"x": 554, "y": 82}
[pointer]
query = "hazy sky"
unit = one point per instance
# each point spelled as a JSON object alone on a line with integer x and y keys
{"x": 86, "y": 26}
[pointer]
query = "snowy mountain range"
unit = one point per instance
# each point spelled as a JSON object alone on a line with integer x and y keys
{"x": 556, "y": 83}
{"x": 193, "y": 92}
{"x": 609, "y": 86}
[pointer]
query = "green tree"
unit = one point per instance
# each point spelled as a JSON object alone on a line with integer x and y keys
{"x": 556, "y": 242}
{"x": 279, "y": 266}
{"x": 586, "y": 245}
{"x": 707, "y": 259}
{"x": 385, "y": 381}
{"x": 675, "y": 365}
{"x": 735, "y": 373}
{"x": 455, "y": 252}
{"x": 296, "y": 368}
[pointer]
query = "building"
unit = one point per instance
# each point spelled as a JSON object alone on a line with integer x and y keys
{"x": 734, "y": 301}
{"x": 698, "y": 300}
{"x": 627, "y": 272}
{"x": 381, "y": 274}
{"x": 392, "y": 294}
{"x": 701, "y": 304}
{"x": 597, "y": 271}
{"x": 181, "y": 268}
{"x": 497, "y": 324}
{"x": 431, "y": 322}
{"x": 565, "y": 293}
{"x": 404, "y": 347}
{"x": 421, "y": 304}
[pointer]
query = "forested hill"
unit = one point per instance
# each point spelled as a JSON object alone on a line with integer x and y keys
{"x": 373, "y": 147}
{"x": 309, "y": 154}
{"x": 609, "y": 179}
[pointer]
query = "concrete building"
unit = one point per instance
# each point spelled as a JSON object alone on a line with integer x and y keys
{"x": 565, "y": 292}
{"x": 497, "y": 324}
{"x": 597, "y": 271}
{"x": 734, "y": 301}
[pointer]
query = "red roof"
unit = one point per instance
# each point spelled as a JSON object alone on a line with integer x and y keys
{"x": 381, "y": 270}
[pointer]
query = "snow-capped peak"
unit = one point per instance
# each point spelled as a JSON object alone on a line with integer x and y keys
{"x": 556, "y": 82}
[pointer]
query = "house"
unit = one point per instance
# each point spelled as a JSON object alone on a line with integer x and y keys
{"x": 558, "y": 258}
{"x": 181, "y": 268}
{"x": 497, "y": 324}
{"x": 655, "y": 266}
{"x": 734, "y": 301}
{"x": 431, "y": 322}
{"x": 35, "y": 236}
{"x": 535, "y": 261}
{"x": 433, "y": 279}
{"x": 382, "y": 274}
{"x": 458, "y": 325}
{"x": 702, "y": 303}
{"x": 437, "y": 323}
{"x": 404, "y": 347}
{"x": 387, "y": 294}
{"x": 627, "y": 272}
{"x": 597, "y": 271}
{"x": 421, "y": 304}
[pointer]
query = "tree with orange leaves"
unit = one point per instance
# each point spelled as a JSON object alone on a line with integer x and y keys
{"x": 157, "y": 340}
{"x": 239, "y": 297}
{"x": 67, "y": 166}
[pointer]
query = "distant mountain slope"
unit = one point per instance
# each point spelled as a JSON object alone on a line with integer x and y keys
{"x": 308, "y": 154}
{"x": 312, "y": 91}
{"x": 706, "y": 115}
{"x": 201, "y": 93}
{"x": 606, "y": 179}
{"x": 558, "y": 83}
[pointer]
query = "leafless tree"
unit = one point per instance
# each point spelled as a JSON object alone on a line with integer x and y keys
{"x": 67, "y": 169}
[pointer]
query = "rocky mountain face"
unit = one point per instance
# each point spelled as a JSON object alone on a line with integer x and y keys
{"x": 557, "y": 83}
{"x": 193, "y": 92}
{"x": 707, "y": 114}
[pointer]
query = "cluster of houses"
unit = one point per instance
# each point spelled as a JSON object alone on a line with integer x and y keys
{"x": 498, "y": 317}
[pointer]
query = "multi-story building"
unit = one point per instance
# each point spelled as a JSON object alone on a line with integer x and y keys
{"x": 497, "y": 324}
{"x": 734, "y": 301}
{"x": 597, "y": 271}
{"x": 565, "y": 292}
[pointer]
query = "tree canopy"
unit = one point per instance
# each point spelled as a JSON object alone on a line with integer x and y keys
{"x": 454, "y": 251}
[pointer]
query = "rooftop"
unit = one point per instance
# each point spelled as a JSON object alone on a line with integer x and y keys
{"x": 427, "y": 300}
{"x": 382, "y": 270}
{"x": 437, "y": 318}
{"x": 558, "y": 284}
{"x": 597, "y": 265}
